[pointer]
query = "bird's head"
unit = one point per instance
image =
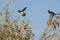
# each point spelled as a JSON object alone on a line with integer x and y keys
{"x": 48, "y": 10}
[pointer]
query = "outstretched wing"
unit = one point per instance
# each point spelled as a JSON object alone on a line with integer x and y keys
{"x": 24, "y": 9}
{"x": 19, "y": 11}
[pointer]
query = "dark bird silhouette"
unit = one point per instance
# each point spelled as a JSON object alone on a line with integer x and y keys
{"x": 51, "y": 13}
{"x": 22, "y": 11}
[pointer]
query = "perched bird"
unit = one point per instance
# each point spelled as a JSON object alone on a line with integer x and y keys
{"x": 22, "y": 11}
{"x": 52, "y": 13}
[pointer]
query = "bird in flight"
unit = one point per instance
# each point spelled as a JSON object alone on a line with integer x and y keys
{"x": 22, "y": 11}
